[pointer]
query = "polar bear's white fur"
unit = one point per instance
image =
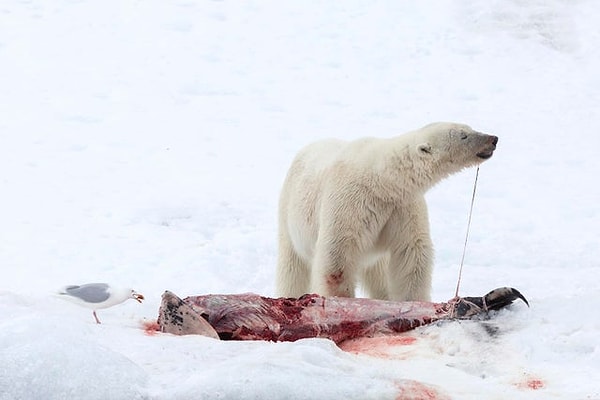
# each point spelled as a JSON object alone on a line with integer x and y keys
{"x": 355, "y": 211}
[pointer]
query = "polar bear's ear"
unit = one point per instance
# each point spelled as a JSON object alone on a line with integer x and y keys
{"x": 424, "y": 148}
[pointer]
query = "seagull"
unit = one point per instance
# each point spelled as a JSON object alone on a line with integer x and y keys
{"x": 98, "y": 295}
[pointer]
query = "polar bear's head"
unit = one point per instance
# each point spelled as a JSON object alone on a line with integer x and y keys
{"x": 451, "y": 146}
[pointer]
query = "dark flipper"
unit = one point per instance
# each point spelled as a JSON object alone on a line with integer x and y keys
{"x": 466, "y": 307}
{"x": 502, "y": 297}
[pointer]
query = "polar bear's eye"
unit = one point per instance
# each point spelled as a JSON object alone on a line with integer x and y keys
{"x": 463, "y": 136}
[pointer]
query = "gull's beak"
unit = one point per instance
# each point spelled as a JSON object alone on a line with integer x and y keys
{"x": 137, "y": 297}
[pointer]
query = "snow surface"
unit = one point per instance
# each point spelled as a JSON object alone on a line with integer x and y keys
{"x": 144, "y": 144}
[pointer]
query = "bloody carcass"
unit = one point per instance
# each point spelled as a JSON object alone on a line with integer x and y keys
{"x": 254, "y": 317}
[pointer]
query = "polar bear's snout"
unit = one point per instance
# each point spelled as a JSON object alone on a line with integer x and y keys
{"x": 488, "y": 147}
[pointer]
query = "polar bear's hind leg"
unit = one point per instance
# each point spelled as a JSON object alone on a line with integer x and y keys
{"x": 293, "y": 274}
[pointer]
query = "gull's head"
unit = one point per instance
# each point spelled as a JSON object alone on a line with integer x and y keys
{"x": 137, "y": 296}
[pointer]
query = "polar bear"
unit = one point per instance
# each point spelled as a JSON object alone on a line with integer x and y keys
{"x": 355, "y": 212}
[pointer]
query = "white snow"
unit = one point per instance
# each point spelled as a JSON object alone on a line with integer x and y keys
{"x": 144, "y": 144}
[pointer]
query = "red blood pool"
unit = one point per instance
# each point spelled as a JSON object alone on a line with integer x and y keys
{"x": 532, "y": 383}
{"x": 377, "y": 346}
{"x": 413, "y": 390}
{"x": 535, "y": 384}
{"x": 151, "y": 328}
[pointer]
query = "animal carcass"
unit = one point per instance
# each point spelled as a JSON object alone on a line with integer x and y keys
{"x": 254, "y": 317}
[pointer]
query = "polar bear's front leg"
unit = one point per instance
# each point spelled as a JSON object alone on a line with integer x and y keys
{"x": 349, "y": 228}
{"x": 411, "y": 260}
{"x": 334, "y": 266}
{"x": 411, "y": 274}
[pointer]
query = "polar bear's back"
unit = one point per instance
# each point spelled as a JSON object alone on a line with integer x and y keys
{"x": 303, "y": 181}
{"x": 320, "y": 155}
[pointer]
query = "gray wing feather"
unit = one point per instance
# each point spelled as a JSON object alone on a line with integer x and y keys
{"x": 90, "y": 293}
